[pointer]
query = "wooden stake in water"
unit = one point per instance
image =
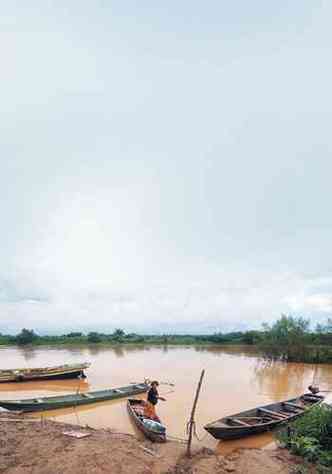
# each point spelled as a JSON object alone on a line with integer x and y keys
{"x": 192, "y": 416}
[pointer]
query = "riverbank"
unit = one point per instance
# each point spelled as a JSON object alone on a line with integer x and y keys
{"x": 30, "y": 446}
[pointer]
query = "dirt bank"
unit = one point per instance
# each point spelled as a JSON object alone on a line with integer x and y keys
{"x": 32, "y": 447}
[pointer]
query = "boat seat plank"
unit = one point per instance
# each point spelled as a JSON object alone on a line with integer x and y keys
{"x": 252, "y": 417}
{"x": 237, "y": 421}
{"x": 315, "y": 398}
{"x": 273, "y": 413}
{"x": 87, "y": 395}
{"x": 294, "y": 405}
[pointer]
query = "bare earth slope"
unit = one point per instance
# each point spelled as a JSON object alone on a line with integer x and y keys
{"x": 42, "y": 448}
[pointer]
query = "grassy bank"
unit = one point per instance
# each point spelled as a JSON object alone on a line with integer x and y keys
{"x": 311, "y": 437}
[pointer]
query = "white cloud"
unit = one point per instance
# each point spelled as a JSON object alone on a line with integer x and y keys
{"x": 162, "y": 173}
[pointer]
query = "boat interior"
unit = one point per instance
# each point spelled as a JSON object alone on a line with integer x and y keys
{"x": 97, "y": 395}
{"x": 138, "y": 407}
{"x": 276, "y": 412}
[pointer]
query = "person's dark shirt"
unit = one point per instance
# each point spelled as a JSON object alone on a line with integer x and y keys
{"x": 153, "y": 396}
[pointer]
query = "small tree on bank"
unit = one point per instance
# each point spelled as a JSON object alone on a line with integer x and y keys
{"x": 94, "y": 337}
{"x": 118, "y": 335}
{"x": 286, "y": 339}
{"x": 26, "y": 336}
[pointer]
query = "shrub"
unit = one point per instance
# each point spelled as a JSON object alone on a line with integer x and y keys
{"x": 311, "y": 435}
{"x": 26, "y": 336}
{"x": 94, "y": 337}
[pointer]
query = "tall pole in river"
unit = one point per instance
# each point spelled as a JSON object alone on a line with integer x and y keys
{"x": 191, "y": 421}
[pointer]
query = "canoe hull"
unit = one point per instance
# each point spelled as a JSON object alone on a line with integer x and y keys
{"x": 151, "y": 435}
{"x": 47, "y": 373}
{"x": 73, "y": 400}
{"x": 227, "y": 434}
{"x": 221, "y": 429}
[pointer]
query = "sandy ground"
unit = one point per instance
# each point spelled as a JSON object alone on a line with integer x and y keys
{"x": 33, "y": 447}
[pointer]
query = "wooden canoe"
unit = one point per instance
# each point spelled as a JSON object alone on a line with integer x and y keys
{"x": 44, "y": 373}
{"x": 73, "y": 399}
{"x": 263, "y": 418}
{"x": 154, "y": 431}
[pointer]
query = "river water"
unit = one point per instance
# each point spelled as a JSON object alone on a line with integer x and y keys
{"x": 236, "y": 379}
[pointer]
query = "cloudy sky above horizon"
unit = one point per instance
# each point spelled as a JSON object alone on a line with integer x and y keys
{"x": 164, "y": 167}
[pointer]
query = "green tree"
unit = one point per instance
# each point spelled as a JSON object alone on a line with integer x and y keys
{"x": 118, "y": 335}
{"x": 94, "y": 337}
{"x": 26, "y": 336}
{"x": 287, "y": 338}
{"x": 251, "y": 337}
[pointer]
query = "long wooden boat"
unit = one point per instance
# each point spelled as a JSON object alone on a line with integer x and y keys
{"x": 57, "y": 372}
{"x": 263, "y": 418}
{"x": 73, "y": 399}
{"x": 152, "y": 430}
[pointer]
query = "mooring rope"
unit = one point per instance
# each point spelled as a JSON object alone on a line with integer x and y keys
{"x": 193, "y": 423}
{"x": 177, "y": 439}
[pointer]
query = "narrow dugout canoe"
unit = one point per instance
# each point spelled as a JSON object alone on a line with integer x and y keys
{"x": 57, "y": 372}
{"x": 263, "y": 418}
{"x": 152, "y": 430}
{"x": 73, "y": 399}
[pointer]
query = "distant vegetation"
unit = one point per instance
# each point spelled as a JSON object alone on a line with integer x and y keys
{"x": 311, "y": 437}
{"x": 289, "y": 339}
{"x": 27, "y": 336}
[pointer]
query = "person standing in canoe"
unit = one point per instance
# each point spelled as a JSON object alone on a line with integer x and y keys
{"x": 152, "y": 400}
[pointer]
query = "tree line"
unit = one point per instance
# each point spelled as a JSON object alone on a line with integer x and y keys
{"x": 30, "y": 336}
{"x": 289, "y": 339}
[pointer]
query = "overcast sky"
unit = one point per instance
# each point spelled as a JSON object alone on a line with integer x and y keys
{"x": 165, "y": 166}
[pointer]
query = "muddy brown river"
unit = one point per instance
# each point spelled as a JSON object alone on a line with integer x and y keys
{"x": 235, "y": 380}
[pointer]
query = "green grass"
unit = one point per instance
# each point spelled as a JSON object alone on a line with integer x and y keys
{"x": 311, "y": 437}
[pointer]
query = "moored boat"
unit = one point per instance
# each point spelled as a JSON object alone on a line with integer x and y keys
{"x": 263, "y": 418}
{"x": 73, "y": 399}
{"x": 152, "y": 429}
{"x": 44, "y": 373}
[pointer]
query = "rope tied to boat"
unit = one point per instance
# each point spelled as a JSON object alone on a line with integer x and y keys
{"x": 193, "y": 424}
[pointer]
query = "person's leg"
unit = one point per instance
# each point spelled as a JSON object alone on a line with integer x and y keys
{"x": 149, "y": 411}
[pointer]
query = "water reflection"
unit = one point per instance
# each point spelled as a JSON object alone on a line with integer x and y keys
{"x": 28, "y": 352}
{"x": 243, "y": 351}
{"x": 262, "y": 440}
{"x": 281, "y": 379}
{"x": 56, "y": 386}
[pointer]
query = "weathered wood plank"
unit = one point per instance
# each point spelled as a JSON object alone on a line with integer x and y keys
{"x": 274, "y": 413}
{"x": 237, "y": 421}
{"x": 293, "y": 405}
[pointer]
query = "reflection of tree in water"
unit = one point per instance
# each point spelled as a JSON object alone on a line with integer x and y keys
{"x": 94, "y": 350}
{"x": 119, "y": 351}
{"x": 244, "y": 351}
{"x": 281, "y": 379}
{"x": 28, "y": 352}
{"x": 74, "y": 350}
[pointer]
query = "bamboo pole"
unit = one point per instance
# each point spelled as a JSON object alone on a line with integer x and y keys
{"x": 192, "y": 415}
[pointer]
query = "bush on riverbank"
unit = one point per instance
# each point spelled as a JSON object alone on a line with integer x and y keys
{"x": 311, "y": 436}
{"x": 289, "y": 339}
